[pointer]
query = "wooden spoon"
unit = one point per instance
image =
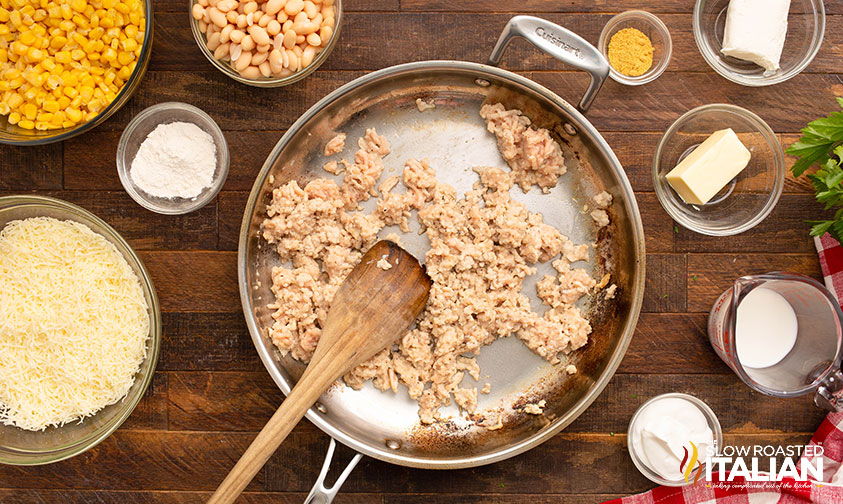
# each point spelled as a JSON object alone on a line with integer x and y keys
{"x": 371, "y": 310}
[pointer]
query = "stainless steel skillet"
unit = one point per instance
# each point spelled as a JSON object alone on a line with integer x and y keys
{"x": 454, "y": 138}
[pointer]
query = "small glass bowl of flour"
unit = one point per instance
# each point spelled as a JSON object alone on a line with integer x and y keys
{"x": 172, "y": 158}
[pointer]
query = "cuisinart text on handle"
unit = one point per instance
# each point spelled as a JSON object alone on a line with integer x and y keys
{"x": 553, "y": 39}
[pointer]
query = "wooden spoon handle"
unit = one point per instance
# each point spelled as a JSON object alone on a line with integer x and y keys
{"x": 294, "y": 407}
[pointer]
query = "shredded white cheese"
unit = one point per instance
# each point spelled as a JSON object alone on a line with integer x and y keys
{"x": 73, "y": 323}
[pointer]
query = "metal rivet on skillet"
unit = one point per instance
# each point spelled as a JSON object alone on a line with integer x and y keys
{"x": 570, "y": 129}
{"x": 393, "y": 444}
{"x": 482, "y": 82}
{"x": 321, "y": 407}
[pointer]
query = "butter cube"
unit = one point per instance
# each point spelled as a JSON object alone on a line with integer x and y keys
{"x": 709, "y": 167}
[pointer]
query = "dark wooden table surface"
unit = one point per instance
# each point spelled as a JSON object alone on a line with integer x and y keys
{"x": 211, "y": 394}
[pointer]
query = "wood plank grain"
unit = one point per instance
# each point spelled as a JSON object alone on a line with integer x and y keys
{"x": 201, "y": 281}
{"x": 26, "y": 168}
{"x": 143, "y": 229}
{"x": 784, "y": 230}
{"x": 361, "y": 31}
{"x": 663, "y": 292}
{"x": 93, "y": 169}
{"x": 233, "y": 106}
{"x": 655, "y": 106}
{"x": 151, "y": 411}
{"x": 348, "y": 6}
{"x": 658, "y": 226}
{"x": 612, "y": 6}
{"x": 149, "y": 460}
{"x": 40, "y": 496}
{"x": 232, "y": 205}
{"x": 566, "y": 464}
{"x": 618, "y": 108}
{"x": 671, "y": 343}
{"x": 711, "y": 274}
{"x": 663, "y": 343}
{"x": 207, "y": 341}
{"x": 244, "y": 402}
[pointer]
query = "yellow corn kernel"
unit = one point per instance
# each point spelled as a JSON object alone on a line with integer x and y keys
{"x": 4, "y": 15}
{"x": 96, "y": 33}
{"x": 14, "y": 118}
{"x": 73, "y": 114}
{"x": 16, "y": 83}
{"x": 67, "y": 25}
{"x": 48, "y": 65}
{"x": 51, "y": 106}
{"x": 44, "y": 116}
{"x": 80, "y": 21}
{"x": 136, "y": 19}
{"x": 19, "y": 48}
{"x": 86, "y": 92}
{"x": 30, "y": 111}
{"x": 124, "y": 58}
{"x": 79, "y": 39}
{"x": 15, "y": 18}
{"x": 124, "y": 73}
{"x": 4, "y": 108}
{"x": 66, "y": 11}
{"x": 5, "y": 86}
{"x": 26, "y": 124}
{"x": 14, "y": 100}
{"x": 27, "y": 10}
{"x": 94, "y": 20}
{"x": 64, "y": 102}
{"x": 122, "y": 8}
{"x": 42, "y": 126}
{"x": 108, "y": 4}
{"x": 58, "y": 41}
{"x": 130, "y": 45}
{"x": 70, "y": 92}
{"x": 40, "y": 15}
{"x": 63, "y": 57}
{"x": 77, "y": 54}
{"x": 29, "y": 95}
{"x": 27, "y": 37}
{"x": 54, "y": 12}
{"x": 58, "y": 118}
{"x": 4, "y": 29}
{"x": 76, "y": 102}
{"x": 109, "y": 55}
{"x": 34, "y": 55}
{"x": 78, "y": 5}
{"x": 54, "y": 81}
{"x": 4, "y": 55}
{"x": 97, "y": 72}
{"x": 106, "y": 22}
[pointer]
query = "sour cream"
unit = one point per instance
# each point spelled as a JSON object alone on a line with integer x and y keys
{"x": 661, "y": 431}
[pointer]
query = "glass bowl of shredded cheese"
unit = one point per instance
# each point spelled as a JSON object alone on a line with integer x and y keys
{"x": 80, "y": 350}
{"x": 638, "y": 47}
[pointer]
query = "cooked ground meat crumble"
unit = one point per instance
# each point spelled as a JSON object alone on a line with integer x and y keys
{"x": 482, "y": 247}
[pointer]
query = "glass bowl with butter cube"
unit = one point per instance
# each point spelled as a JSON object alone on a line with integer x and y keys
{"x": 638, "y": 47}
{"x": 759, "y": 42}
{"x": 719, "y": 170}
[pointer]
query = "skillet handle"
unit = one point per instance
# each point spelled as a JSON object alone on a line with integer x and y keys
{"x": 562, "y": 44}
{"x": 321, "y": 495}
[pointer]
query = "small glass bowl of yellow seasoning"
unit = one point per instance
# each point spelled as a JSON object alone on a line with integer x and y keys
{"x": 638, "y": 47}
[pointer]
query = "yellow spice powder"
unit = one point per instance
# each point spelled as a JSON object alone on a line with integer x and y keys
{"x": 630, "y": 52}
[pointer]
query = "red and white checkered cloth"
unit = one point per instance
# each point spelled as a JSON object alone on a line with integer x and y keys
{"x": 829, "y": 436}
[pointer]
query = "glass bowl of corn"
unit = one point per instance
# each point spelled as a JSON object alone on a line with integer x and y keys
{"x": 65, "y": 67}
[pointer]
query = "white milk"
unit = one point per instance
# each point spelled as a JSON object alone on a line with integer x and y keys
{"x": 766, "y": 328}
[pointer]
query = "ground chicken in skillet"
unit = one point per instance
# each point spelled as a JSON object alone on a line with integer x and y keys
{"x": 483, "y": 245}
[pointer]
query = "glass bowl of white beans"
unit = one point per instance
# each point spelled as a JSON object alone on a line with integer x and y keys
{"x": 266, "y": 43}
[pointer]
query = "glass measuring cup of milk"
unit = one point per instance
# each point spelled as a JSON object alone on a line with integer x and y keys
{"x": 781, "y": 334}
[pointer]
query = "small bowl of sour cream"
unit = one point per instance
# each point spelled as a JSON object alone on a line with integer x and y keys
{"x": 666, "y": 432}
{"x": 172, "y": 158}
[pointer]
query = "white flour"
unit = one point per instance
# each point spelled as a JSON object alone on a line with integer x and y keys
{"x": 176, "y": 160}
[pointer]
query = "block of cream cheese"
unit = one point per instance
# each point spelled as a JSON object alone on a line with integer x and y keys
{"x": 709, "y": 167}
{"x": 755, "y": 31}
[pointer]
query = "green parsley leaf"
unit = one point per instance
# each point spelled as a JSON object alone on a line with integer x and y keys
{"x": 611, "y": 433}
{"x": 822, "y": 144}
